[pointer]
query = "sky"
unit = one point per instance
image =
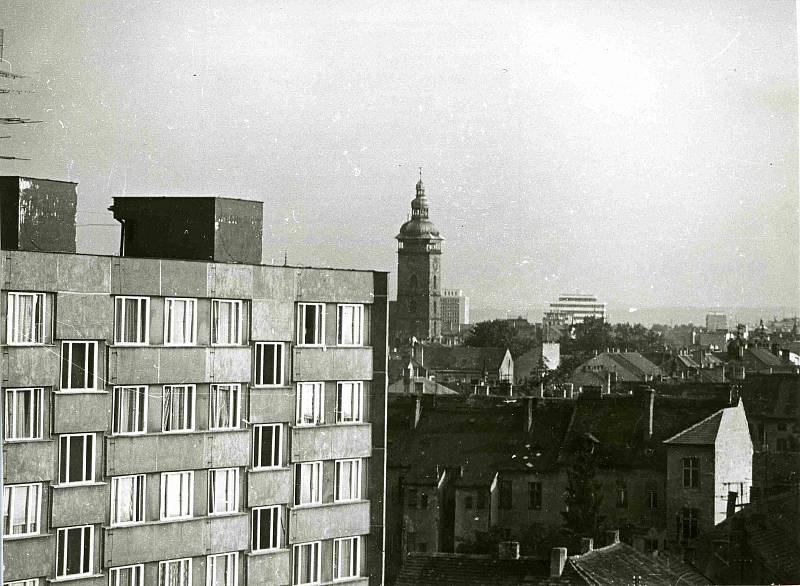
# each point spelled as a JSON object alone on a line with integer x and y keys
{"x": 646, "y": 152}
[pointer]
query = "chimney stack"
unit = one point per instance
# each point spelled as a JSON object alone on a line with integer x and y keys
{"x": 587, "y": 544}
{"x": 730, "y": 509}
{"x": 612, "y": 537}
{"x": 558, "y": 559}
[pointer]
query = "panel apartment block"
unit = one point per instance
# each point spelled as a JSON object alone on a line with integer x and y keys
{"x": 203, "y": 422}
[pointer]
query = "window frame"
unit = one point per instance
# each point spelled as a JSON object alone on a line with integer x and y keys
{"x": 337, "y": 565}
{"x": 139, "y": 493}
{"x": 215, "y": 303}
{"x": 690, "y": 523}
{"x": 61, "y": 568}
{"x": 354, "y": 482}
{"x": 190, "y": 391}
{"x": 170, "y": 325}
{"x": 163, "y": 505}
{"x": 8, "y": 504}
{"x": 119, "y": 319}
{"x": 36, "y": 421}
{"x": 185, "y": 568}
{"x": 358, "y": 336}
{"x": 234, "y": 417}
{"x": 114, "y": 578}
{"x": 314, "y": 547}
{"x": 66, "y": 468}
{"x": 25, "y": 582}
{"x": 318, "y": 406}
{"x": 690, "y": 466}
{"x": 280, "y": 366}
{"x": 315, "y": 488}
{"x": 357, "y": 390}
{"x": 68, "y": 362}
{"x": 505, "y": 500}
{"x": 211, "y": 561}
{"x": 214, "y": 484}
{"x": 258, "y": 433}
{"x": 535, "y": 495}
{"x": 116, "y": 414}
{"x": 319, "y": 331}
{"x": 40, "y": 328}
{"x": 275, "y": 516}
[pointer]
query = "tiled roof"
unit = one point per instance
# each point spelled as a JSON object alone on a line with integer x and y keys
{"x": 429, "y": 387}
{"x": 434, "y": 569}
{"x": 775, "y": 395}
{"x": 702, "y": 433}
{"x": 435, "y": 357}
{"x": 636, "y": 362}
{"x": 622, "y": 564}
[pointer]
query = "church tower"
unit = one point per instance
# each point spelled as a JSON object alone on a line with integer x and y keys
{"x": 418, "y": 311}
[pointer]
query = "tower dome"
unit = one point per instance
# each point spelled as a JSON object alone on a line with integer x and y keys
{"x": 419, "y": 227}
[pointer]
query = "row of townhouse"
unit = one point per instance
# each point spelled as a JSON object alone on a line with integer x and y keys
{"x": 666, "y": 469}
{"x": 181, "y": 421}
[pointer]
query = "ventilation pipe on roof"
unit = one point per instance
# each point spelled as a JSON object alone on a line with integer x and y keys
{"x": 612, "y": 537}
{"x": 587, "y": 544}
{"x": 558, "y": 559}
{"x": 730, "y": 509}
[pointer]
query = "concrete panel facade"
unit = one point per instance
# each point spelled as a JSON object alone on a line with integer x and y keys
{"x": 269, "y": 487}
{"x": 79, "y": 505}
{"x": 271, "y": 567}
{"x": 328, "y": 521}
{"x": 317, "y": 364}
{"x": 331, "y": 442}
{"x": 81, "y": 412}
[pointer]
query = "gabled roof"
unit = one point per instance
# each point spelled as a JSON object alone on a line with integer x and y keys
{"x": 436, "y": 357}
{"x": 429, "y": 387}
{"x": 701, "y": 433}
{"x": 622, "y": 564}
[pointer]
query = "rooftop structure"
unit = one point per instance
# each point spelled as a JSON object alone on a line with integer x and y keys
{"x": 574, "y": 308}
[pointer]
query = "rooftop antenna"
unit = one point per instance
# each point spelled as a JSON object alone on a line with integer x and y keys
{"x": 285, "y": 258}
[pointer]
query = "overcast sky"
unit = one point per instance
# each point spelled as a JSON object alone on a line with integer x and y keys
{"x": 643, "y": 151}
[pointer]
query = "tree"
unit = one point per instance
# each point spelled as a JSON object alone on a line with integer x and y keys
{"x": 584, "y": 495}
{"x": 499, "y": 333}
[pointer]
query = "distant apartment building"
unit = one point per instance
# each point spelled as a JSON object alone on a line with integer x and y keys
{"x": 716, "y": 322}
{"x": 455, "y": 309}
{"x": 181, "y": 414}
{"x": 573, "y": 308}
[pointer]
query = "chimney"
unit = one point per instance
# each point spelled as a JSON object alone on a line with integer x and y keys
{"x": 417, "y": 411}
{"x": 730, "y": 509}
{"x": 508, "y": 550}
{"x": 649, "y": 400}
{"x": 607, "y": 390}
{"x": 569, "y": 390}
{"x": 587, "y": 544}
{"x": 540, "y": 390}
{"x": 558, "y": 559}
{"x": 612, "y": 537}
{"x": 530, "y": 407}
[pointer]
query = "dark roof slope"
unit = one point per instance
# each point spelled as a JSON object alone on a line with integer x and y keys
{"x": 435, "y": 357}
{"x": 701, "y": 433}
{"x": 622, "y": 564}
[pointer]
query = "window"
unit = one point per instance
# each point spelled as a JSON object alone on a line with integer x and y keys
{"x": 652, "y": 498}
{"x": 468, "y": 502}
{"x": 269, "y": 364}
{"x": 223, "y": 491}
{"x": 346, "y": 558}
{"x": 24, "y": 414}
{"x": 308, "y": 483}
{"x": 78, "y": 366}
{"x": 226, "y": 322}
{"x": 534, "y": 495}
{"x": 127, "y": 576}
{"x": 127, "y": 499}
{"x": 504, "y": 491}
{"x": 348, "y": 480}
{"x": 221, "y": 569}
{"x": 266, "y": 528}
{"x": 310, "y": 401}
{"x": 306, "y": 563}
{"x": 29, "y": 582}
{"x": 688, "y": 524}
{"x": 178, "y": 408}
{"x": 267, "y": 450}
{"x": 311, "y": 324}
{"x": 26, "y": 315}
{"x": 622, "y": 494}
{"x": 76, "y": 458}
{"x": 691, "y": 472}
{"x": 130, "y": 410}
{"x": 349, "y": 398}
{"x": 350, "y": 330}
{"x": 75, "y": 553}
{"x": 175, "y": 573}
{"x": 132, "y": 320}
{"x": 177, "y": 495}
{"x": 180, "y": 322}
{"x": 225, "y": 406}
{"x": 22, "y": 505}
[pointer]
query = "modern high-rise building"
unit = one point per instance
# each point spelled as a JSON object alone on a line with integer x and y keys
{"x": 418, "y": 309}
{"x": 573, "y": 308}
{"x": 455, "y": 309}
{"x": 183, "y": 415}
